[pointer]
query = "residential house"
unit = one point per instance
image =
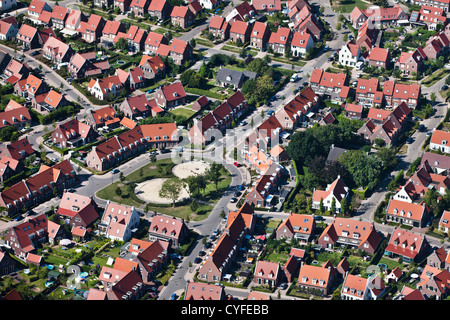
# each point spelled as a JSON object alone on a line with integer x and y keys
{"x": 195, "y": 7}
{"x": 14, "y": 71}
{"x": 389, "y": 128}
{"x": 36, "y": 7}
{"x": 301, "y": 43}
{"x": 269, "y": 6}
{"x": 118, "y": 221}
{"x": 204, "y": 291}
{"x": 410, "y": 62}
{"x": 436, "y": 259}
{"x": 396, "y": 93}
{"x": 434, "y": 283}
{"x": 378, "y": 16}
{"x": 18, "y": 150}
{"x": 432, "y": 16}
{"x": 241, "y": 12}
{"x": 439, "y": 163}
{"x": 240, "y": 30}
{"x": 353, "y": 111}
{"x": 168, "y": 229}
{"x": 58, "y": 17}
{"x": 379, "y": 58}
{"x": 110, "y": 31}
{"x": 8, "y": 28}
{"x": 57, "y": 51}
{"x": 208, "y": 126}
{"x": 16, "y": 115}
{"x": 136, "y": 78}
{"x": 356, "y": 234}
{"x": 295, "y": 111}
{"x": 260, "y": 35}
{"x": 28, "y": 37}
{"x": 182, "y": 16}
{"x": 38, "y": 188}
{"x": 262, "y": 193}
{"x": 152, "y": 67}
{"x": 160, "y": 9}
{"x": 107, "y": 88}
{"x": 26, "y": 237}
{"x": 358, "y": 288}
{"x": 30, "y": 87}
{"x": 280, "y": 41}
{"x": 424, "y": 177}
{"x": 298, "y": 226}
{"x": 334, "y": 193}
{"x": 443, "y": 4}
{"x": 210, "y": 4}
{"x": 226, "y": 248}
{"x": 73, "y": 21}
{"x": 321, "y": 279}
{"x": 440, "y": 141}
{"x": 411, "y": 214}
{"x": 7, "y": 264}
{"x": 127, "y": 287}
{"x": 267, "y": 273}
{"x": 153, "y": 41}
{"x": 171, "y": 95}
{"x": 139, "y": 107}
{"x": 407, "y": 245}
{"x": 233, "y": 78}
{"x": 200, "y": 103}
{"x": 72, "y": 133}
{"x": 91, "y": 31}
{"x": 444, "y": 222}
{"x": 48, "y": 101}
{"x": 123, "y": 5}
{"x": 219, "y": 27}
{"x": 350, "y": 54}
{"x": 328, "y": 84}
{"x": 310, "y": 24}
{"x": 140, "y": 7}
{"x": 147, "y": 258}
{"x": 105, "y": 116}
{"x": 436, "y": 46}
{"x": 178, "y": 50}
{"x": 367, "y": 92}
{"x": 131, "y": 143}
{"x": 7, "y": 4}
{"x": 77, "y": 210}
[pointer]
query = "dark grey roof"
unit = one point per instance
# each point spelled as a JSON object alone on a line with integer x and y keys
{"x": 335, "y": 153}
{"x": 234, "y": 77}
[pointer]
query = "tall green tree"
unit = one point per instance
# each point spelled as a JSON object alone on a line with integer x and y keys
{"x": 171, "y": 188}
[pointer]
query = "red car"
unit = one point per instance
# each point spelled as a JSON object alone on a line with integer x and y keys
{"x": 237, "y": 164}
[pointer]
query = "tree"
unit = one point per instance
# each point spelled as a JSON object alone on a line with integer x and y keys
{"x": 333, "y": 205}
{"x": 214, "y": 173}
{"x": 321, "y": 206}
{"x": 194, "y": 205}
{"x": 344, "y": 206}
{"x": 121, "y": 44}
{"x": 192, "y": 184}
{"x": 171, "y": 188}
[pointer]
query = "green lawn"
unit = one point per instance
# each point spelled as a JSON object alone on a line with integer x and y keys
{"x": 346, "y": 6}
{"x": 183, "y": 111}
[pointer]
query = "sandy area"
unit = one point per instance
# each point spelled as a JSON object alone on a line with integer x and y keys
{"x": 149, "y": 190}
{"x": 186, "y": 169}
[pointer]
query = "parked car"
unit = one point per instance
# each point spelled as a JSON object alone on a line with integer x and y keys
{"x": 233, "y": 200}
{"x": 444, "y": 87}
{"x": 237, "y": 164}
{"x": 173, "y": 296}
{"x": 18, "y": 218}
{"x": 270, "y": 113}
{"x": 422, "y": 128}
{"x": 294, "y": 77}
{"x": 237, "y": 193}
{"x": 115, "y": 170}
{"x": 197, "y": 260}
